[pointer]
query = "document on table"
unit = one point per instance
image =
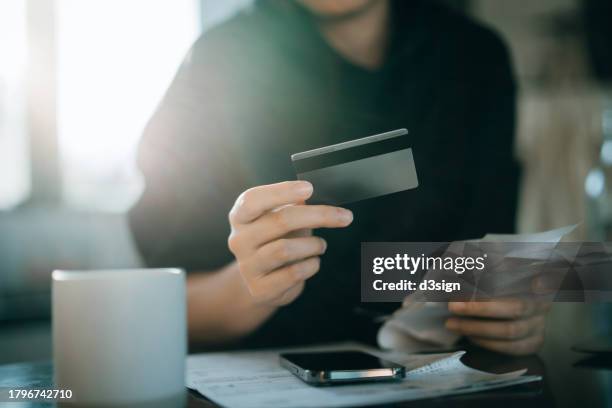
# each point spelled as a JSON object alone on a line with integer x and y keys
{"x": 254, "y": 379}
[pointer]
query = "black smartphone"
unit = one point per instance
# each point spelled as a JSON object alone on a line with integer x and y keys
{"x": 340, "y": 367}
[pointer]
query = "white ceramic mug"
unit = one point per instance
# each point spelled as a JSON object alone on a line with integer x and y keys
{"x": 119, "y": 336}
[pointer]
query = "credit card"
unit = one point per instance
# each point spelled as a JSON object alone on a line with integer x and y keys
{"x": 359, "y": 169}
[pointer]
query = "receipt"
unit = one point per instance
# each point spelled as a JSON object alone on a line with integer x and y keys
{"x": 419, "y": 325}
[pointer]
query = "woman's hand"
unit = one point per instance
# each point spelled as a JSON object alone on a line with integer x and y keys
{"x": 271, "y": 239}
{"x": 507, "y": 326}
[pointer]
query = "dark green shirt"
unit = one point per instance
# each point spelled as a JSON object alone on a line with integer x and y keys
{"x": 265, "y": 84}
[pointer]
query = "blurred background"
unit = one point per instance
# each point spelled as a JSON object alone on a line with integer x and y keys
{"x": 80, "y": 78}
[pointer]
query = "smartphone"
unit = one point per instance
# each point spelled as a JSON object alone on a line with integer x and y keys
{"x": 340, "y": 367}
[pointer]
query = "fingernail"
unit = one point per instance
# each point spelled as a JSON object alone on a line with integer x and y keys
{"x": 346, "y": 216}
{"x": 452, "y": 324}
{"x": 304, "y": 188}
{"x": 456, "y": 306}
{"x": 324, "y": 245}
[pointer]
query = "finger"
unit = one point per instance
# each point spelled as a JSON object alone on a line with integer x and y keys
{"x": 290, "y": 295}
{"x": 499, "y": 309}
{"x": 521, "y": 347}
{"x": 287, "y": 250}
{"x": 266, "y": 288}
{"x": 277, "y": 224}
{"x": 255, "y": 201}
{"x": 496, "y": 329}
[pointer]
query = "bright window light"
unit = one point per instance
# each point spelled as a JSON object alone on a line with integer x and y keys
{"x": 14, "y": 157}
{"x": 115, "y": 60}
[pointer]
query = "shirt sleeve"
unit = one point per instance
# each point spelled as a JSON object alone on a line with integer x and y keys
{"x": 185, "y": 160}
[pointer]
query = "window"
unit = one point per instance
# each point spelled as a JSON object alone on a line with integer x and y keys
{"x": 110, "y": 62}
{"x": 115, "y": 60}
{"x": 14, "y": 166}
{"x": 215, "y": 11}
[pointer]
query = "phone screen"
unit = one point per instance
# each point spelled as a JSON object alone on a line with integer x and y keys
{"x": 338, "y": 361}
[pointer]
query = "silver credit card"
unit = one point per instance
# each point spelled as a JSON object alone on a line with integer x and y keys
{"x": 359, "y": 169}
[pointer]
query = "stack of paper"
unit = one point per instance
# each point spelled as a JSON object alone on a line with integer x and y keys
{"x": 256, "y": 380}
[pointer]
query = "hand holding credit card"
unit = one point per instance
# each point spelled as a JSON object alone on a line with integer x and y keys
{"x": 358, "y": 169}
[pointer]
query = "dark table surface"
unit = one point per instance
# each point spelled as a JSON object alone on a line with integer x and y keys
{"x": 570, "y": 379}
